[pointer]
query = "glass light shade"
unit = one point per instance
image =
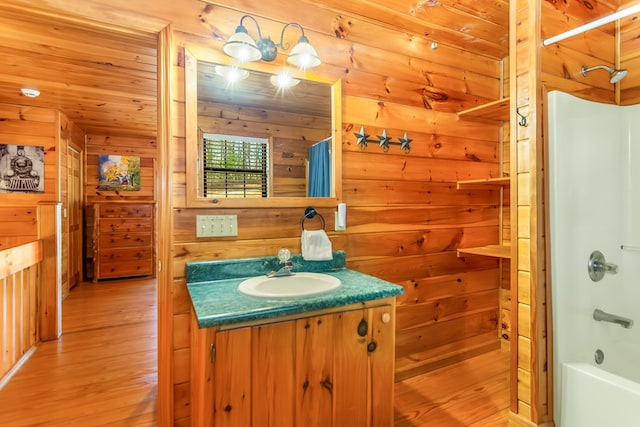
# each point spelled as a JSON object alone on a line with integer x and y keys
{"x": 303, "y": 56}
{"x": 283, "y": 80}
{"x": 30, "y": 93}
{"x": 231, "y": 74}
{"x": 242, "y": 47}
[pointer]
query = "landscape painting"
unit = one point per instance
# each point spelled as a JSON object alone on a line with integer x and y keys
{"x": 118, "y": 173}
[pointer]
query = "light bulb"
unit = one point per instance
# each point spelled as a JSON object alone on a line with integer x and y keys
{"x": 231, "y": 74}
{"x": 30, "y": 93}
{"x": 283, "y": 80}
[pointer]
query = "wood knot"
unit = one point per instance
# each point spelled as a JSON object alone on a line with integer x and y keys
{"x": 340, "y": 27}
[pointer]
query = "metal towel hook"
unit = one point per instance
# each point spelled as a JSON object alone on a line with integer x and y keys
{"x": 523, "y": 120}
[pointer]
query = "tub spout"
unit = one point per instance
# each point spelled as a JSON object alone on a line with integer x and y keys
{"x": 602, "y": 316}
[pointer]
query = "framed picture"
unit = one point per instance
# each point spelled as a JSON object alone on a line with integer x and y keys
{"x": 21, "y": 169}
{"x": 118, "y": 173}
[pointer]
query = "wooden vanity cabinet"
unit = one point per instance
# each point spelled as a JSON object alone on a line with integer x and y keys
{"x": 123, "y": 240}
{"x": 329, "y": 369}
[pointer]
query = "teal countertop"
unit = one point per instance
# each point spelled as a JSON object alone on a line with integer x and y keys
{"x": 213, "y": 287}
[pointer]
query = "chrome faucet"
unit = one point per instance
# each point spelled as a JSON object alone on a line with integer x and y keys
{"x": 613, "y": 318}
{"x": 283, "y": 255}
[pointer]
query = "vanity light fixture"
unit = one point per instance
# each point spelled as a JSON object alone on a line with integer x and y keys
{"x": 243, "y": 48}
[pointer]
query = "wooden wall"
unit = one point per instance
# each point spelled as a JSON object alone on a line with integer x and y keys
{"x": 54, "y": 131}
{"x": 629, "y": 58}
{"x": 19, "y": 225}
{"x": 143, "y": 147}
{"x": 32, "y": 126}
{"x": 405, "y": 217}
{"x": 614, "y": 45}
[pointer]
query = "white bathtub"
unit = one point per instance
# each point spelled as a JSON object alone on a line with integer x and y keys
{"x": 594, "y": 204}
{"x": 593, "y": 397}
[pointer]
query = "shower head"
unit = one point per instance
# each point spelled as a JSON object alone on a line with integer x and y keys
{"x": 617, "y": 75}
{"x": 614, "y": 75}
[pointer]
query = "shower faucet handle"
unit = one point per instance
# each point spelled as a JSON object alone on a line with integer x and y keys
{"x": 598, "y": 266}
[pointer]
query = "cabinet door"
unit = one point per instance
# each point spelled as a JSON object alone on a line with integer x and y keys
{"x": 273, "y": 370}
{"x": 363, "y": 361}
{"x": 232, "y": 378}
{"x": 314, "y": 371}
{"x": 351, "y": 330}
{"x": 382, "y": 358}
{"x": 330, "y": 370}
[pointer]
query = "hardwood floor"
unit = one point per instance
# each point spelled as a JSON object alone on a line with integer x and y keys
{"x": 471, "y": 393}
{"x": 102, "y": 372}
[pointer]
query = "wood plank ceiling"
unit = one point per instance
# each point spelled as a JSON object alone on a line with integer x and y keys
{"x": 105, "y": 81}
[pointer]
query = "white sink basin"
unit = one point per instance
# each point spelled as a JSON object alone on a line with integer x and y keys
{"x": 296, "y": 286}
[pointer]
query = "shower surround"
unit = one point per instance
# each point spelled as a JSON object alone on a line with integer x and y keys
{"x": 594, "y": 204}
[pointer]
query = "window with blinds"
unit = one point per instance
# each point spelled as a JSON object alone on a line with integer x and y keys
{"x": 235, "y": 166}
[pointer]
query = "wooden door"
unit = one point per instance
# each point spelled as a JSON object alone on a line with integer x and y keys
{"x": 74, "y": 212}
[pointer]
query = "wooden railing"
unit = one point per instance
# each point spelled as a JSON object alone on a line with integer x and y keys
{"x": 30, "y": 282}
{"x": 19, "y": 322}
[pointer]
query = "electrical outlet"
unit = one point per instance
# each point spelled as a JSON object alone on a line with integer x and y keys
{"x": 216, "y": 225}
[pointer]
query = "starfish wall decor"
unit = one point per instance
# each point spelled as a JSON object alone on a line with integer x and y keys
{"x": 383, "y": 140}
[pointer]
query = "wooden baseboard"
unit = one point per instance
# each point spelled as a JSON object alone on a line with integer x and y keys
{"x": 516, "y": 420}
{"x": 15, "y": 368}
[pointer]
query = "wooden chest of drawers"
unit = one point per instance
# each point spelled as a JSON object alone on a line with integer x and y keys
{"x": 123, "y": 240}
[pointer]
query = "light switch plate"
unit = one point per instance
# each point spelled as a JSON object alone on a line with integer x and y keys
{"x": 216, "y": 225}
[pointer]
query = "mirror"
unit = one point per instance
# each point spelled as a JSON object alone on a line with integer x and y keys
{"x": 289, "y": 120}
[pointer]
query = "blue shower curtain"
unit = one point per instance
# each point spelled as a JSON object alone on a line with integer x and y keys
{"x": 319, "y": 173}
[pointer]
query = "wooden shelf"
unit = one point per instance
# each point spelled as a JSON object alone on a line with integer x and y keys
{"x": 498, "y": 251}
{"x": 483, "y": 183}
{"x": 496, "y": 110}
